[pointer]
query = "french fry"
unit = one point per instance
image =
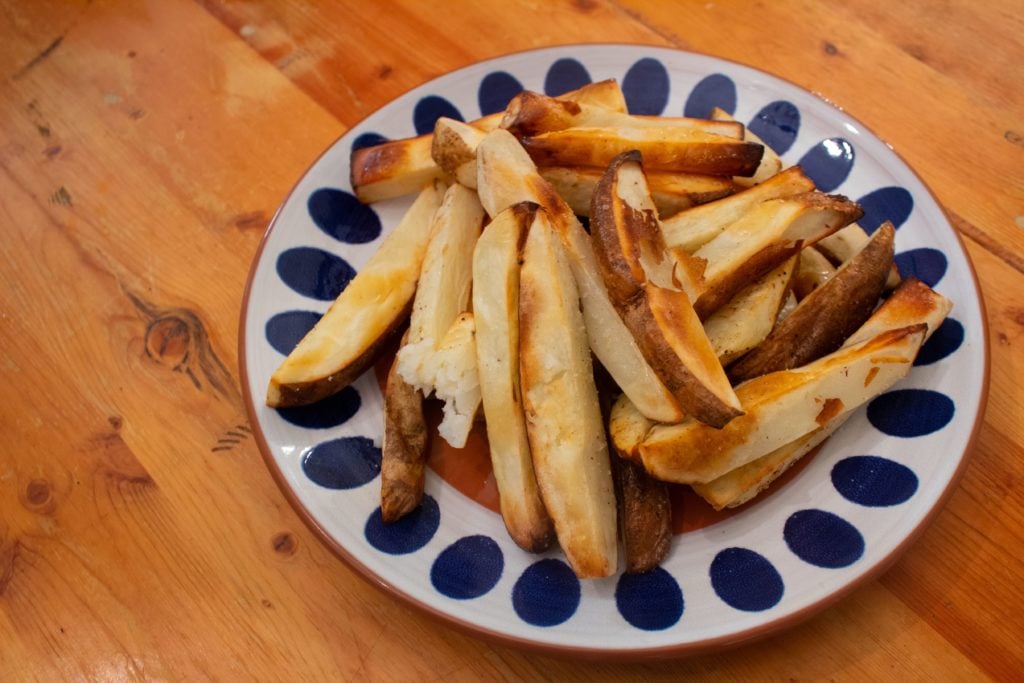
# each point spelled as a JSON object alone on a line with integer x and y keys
{"x": 454, "y": 149}
{"x": 637, "y": 272}
{"x": 667, "y": 148}
{"x": 781, "y": 407}
{"x": 496, "y": 307}
{"x": 672, "y": 192}
{"x": 692, "y": 228}
{"x": 456, "y": 379}
{"x": 404, "y": 451}
{"x": 563, "y": 416}
{"x": 346, "y": 340}
{"x": 827, "y": 316}
{"x": 843, "y": 245}
{"x": 645, "y": 516}
{"x": 770, "y": 164}
{"x": 627, "y": 428}
{"x": 507, "y": 176}
{"x": 912, "y": 303}
{"x": 812, "y": 272}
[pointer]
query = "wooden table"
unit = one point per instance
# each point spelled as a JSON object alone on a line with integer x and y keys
{"x": 144, "y": 149}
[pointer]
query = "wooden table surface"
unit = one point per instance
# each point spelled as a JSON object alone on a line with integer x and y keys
{"x": 144, "y": 148}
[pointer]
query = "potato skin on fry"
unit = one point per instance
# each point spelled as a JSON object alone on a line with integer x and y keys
{"x": 404, "y": 452}
{"x": 645, "y": 516}
{"x": 827, "y": 316}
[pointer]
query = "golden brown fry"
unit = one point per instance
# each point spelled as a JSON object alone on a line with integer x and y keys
{"x": 770, "y": 164}
{"x": 627, "y": 428}
{"x": 454, "y": 149}
{"x": 404, "y": 452}
{"x": 912, "y": 303}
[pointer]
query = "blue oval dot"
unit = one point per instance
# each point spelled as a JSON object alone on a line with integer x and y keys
{"x": 468, "y": 568}
{"x": 285, "y": 330}
{"x": 332, "y": 411}
{"x": 407, "y": 535}
{"x": 496, "y": 89}
{"x": 645, "y": 87}
{"x": 926, "y": 264}
{"x": 823, "y": 539}
{"x": 344, "y": 463}
{"x": 314, "y": 272}
{"x": 873, "y": 481}
{"x": 651, "y": 601}
{"x": 943, "y": 342}
{"x": 777, "y": 124}
{"x": 828, "y": 163}
{"x": 564, "y": 75}
{"x": 746, "y": 580}
{"x": 429, "y": 110}
{"x": 716, "y": 90}
{"x": 886, "y": 203}
{"x": 369, "y": 139}
{"x": 342, "y": 216}
{"x": 910, "y": 412}
{"x": 546, "y": 594}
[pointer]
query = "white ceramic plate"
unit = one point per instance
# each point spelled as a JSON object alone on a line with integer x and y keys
{"x": 839, "y": 521}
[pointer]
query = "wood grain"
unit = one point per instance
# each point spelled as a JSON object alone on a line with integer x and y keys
{"x": 145, "y": 147}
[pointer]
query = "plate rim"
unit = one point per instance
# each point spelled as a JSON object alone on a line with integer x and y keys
{"x": 662, "y": 652}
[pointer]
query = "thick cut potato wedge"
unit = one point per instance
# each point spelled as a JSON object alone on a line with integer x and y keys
{"x": 645, "y": 516}
{"x": 812, "y": 272}
{"x": 682, "y": 150}
{"x": 404, "y": 451}
{"x": 454, "y": 149}
{"x": 759, "y": 241}
{"x": 771, "y": 163}
{"x": 444, "y": 284}
{"x": 496, "y": 308}
{"x": 376, "y": 302}
{"x": 563, "y": 416}
{"x": 507, "y": 176}
{"x": 627, "y": 428}
{"x": 531, "y": 113}
{"x": 456, "y": 379}
{"x": 671, "y": 192}
{"x": 637, "y": 272}
{"x": 822, "y": 321}
{"x": 781, "y": 407}
{"x": 750, "y": 316}
{"x": 912, "y": 303}
{"x": 843, "y": 245}
{"x": 692, "y": 228}
{"x": 399, "y": 167}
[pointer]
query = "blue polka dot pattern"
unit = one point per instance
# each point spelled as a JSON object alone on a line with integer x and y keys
{"x": 828, "y": 163}
{"x": 343, "y": 217}
{"x": 746, "y": 580}
{"x": 926, "y": 264}
{"x": 329, "y": 412}
{"x": 314, "y": 272}
{"x": 496, "y": 89}
{"x": 546, "y": 594}
{"x": 368, "y": 140}
{"x": 285, "y": 330}
{"x": 408, "y": 534}
{"x": 716, "y": 90}
{"x": 429, "y": 110}
{"x": 646, "y": 87}
{"x": 564, "y": 75}
{"x": 777, "y": 124}
{"x": 873, "y": 481}
{"x": 344, "y": 463}
{"x": 651, "y": 601}
{"x": 468, "y": 568}
{"x": 823, "y": 539}
{"x": 888, "y": 203}
{"x": 908, "y": 413}
{"x": 943, "y": 342}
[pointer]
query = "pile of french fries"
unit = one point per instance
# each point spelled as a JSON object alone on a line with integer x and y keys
{"x": 733, "y": 306}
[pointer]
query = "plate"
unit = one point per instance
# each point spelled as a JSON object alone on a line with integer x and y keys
{"x": 839, "y": 521}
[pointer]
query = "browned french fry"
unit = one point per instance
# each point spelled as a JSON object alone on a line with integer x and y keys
{"x": 672, "y": 192}
{"x": 346, "y": 340}
{"x": 454, "y": 149}
{"x": 531, "y": 113}
{"x": 829, "y": 314}
{"x": 627, "y": 428}
{"x": 507, "y": 176}
{"x": 843, "y": 245}
{"x": 563, "y": 416}
{"x": 781, "y": 407}
{"x": 404, "y": 451}
{"x": 759, "y": 241}
{"x": 693, "y": 228}
{"x": 682, "y": 150}
{"x": 496, "y": 307}
{"x": 645, "y": 516}
{"x": 637, "y": 272}
{"x": 813, "y": 271}
{"x": 770, "y": 164}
